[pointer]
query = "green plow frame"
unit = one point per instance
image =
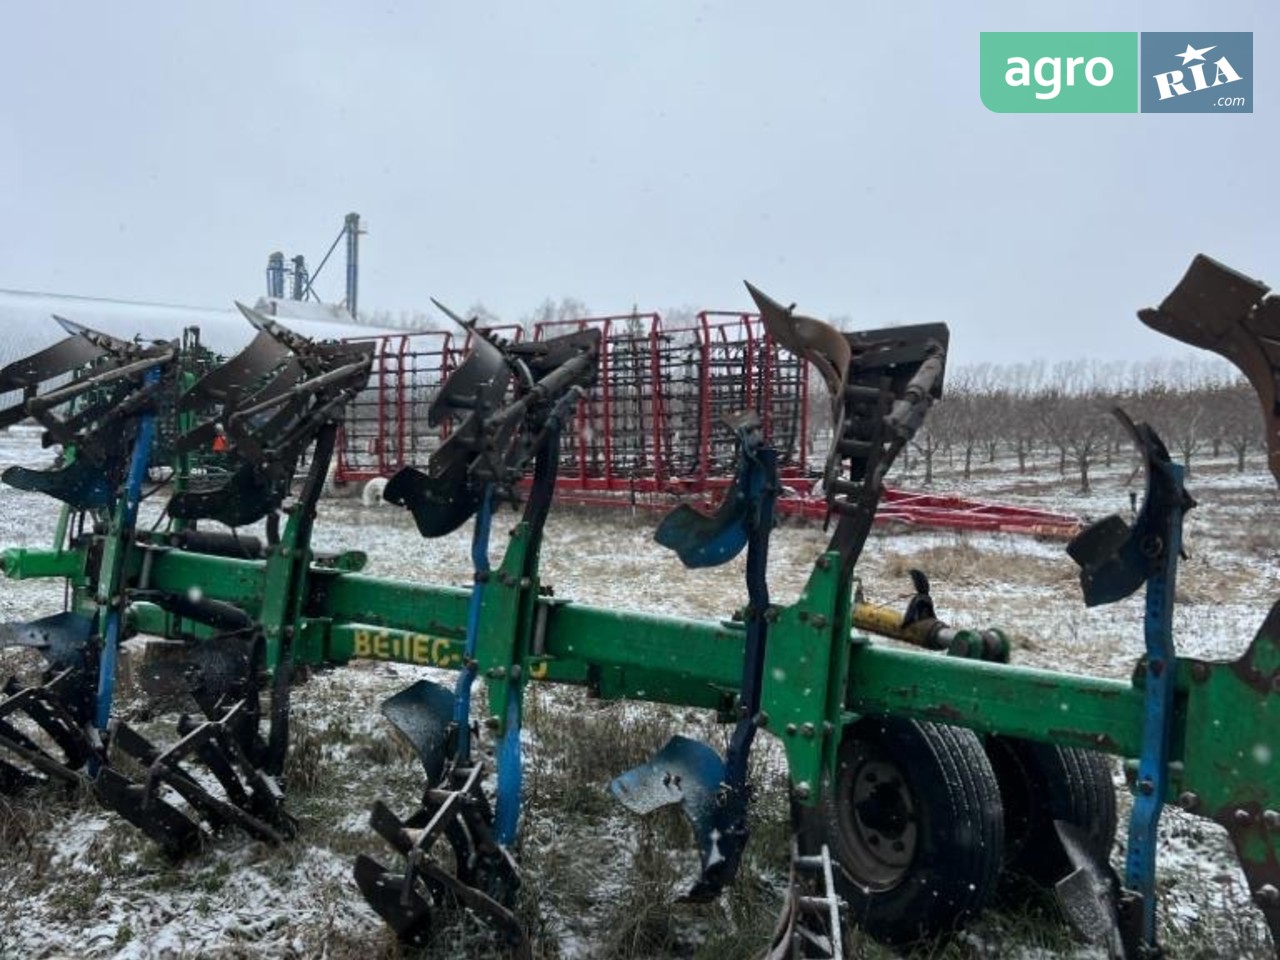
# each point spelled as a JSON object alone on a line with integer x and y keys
{"x": 825, "y": 680}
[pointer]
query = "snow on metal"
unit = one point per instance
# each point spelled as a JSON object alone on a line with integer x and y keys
{"x": 26, "y": 321}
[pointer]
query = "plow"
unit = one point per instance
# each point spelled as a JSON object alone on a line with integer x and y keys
{"x": 921, "y": 774}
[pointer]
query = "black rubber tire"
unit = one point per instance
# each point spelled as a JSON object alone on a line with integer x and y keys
{"x": 1041, "y": 783}
{"x": 928, "y": 792}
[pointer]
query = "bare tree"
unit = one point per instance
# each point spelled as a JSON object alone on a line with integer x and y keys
{"x": 1235, "y": 407}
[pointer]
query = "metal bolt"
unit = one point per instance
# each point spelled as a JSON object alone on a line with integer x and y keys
{"x": 1188, "y": 801}
{"x": 823, "y": 563}
{"x": 807, "y": 731}
{"x": 1243, "y": 817}
{"x": 497, "y": 673}
{"x": 762, "y": 720}
{"x": 515, "y": 671}
{"x": 1271, "y": 818}
{"x": 1267, "y": 895}
{"x": 818, "y": 621}
{"x": 802, "y": 790}
{"x": 1146, "y": 787}
{"x": 791, "y": 729}
{"x": 525, "y": 583}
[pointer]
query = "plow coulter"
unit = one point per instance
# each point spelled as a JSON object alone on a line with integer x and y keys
{"x": 924, "y": 779}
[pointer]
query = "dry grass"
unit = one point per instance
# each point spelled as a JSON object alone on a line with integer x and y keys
{"x": 597, "y": 881}
{"x": 962, "y": 563}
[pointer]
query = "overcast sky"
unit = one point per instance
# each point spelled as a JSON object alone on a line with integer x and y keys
{"x": 657, "y": 153}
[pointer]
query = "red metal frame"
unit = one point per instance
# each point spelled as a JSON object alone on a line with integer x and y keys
{"x": 652, "y": 425}
{"x": 385, "y": 427}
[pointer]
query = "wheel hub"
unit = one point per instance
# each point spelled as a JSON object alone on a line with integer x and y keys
{"x": 878, "y": 821}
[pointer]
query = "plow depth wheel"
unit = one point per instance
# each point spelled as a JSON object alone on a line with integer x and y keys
{"x": 1041, "y": 783}
{"x": 916, "y": 827}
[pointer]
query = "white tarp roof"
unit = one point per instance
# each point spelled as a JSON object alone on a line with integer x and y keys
{"x": 26, "y": 322}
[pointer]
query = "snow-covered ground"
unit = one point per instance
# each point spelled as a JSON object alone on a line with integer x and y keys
{"x": 76, "y": 882}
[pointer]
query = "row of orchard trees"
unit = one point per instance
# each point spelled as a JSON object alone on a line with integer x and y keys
{"x": 1035, "y": 417}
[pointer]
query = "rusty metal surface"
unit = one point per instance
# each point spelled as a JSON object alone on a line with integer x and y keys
{"x": 1219, "y": 309}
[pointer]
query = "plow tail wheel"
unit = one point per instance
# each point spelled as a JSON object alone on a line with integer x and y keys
{"x": 915, "y": 824}
{"x": 1041, "y": 784}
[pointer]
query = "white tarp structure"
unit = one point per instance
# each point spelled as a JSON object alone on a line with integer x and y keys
{"x": 27, "y": 325}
